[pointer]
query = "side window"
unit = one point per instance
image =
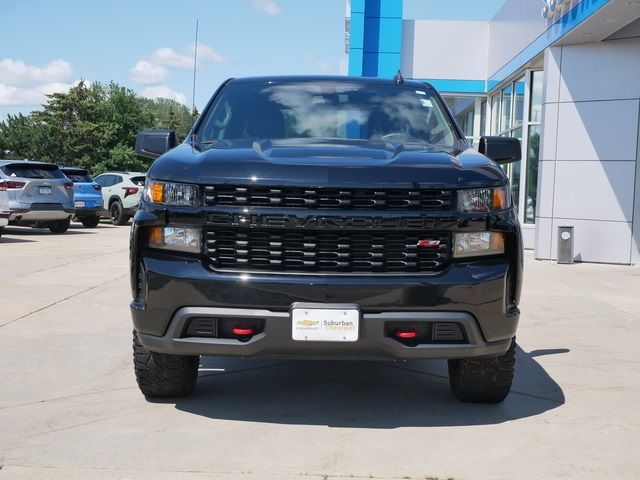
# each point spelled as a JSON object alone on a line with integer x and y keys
{"x": 116, "y": 179}
{"x": 103, "y": 180}
{"x": 139, "y": 181}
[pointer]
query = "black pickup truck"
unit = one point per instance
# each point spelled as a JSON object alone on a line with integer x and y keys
{"x": 326, "y": 218}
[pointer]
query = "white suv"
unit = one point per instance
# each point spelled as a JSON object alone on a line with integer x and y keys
{"x": 121, "y": 193}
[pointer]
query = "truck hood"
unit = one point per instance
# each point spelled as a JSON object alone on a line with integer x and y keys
{"x": 330, "y": 163}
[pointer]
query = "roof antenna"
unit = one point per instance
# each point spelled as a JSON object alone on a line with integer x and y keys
{"x": 195, "y": 65}
{"x": 398, "y": 79}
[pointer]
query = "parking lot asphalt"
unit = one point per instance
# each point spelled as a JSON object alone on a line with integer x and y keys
{"x": 70, "y": 408}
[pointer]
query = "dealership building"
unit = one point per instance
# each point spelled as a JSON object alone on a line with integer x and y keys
{"x": 562, "y": 76}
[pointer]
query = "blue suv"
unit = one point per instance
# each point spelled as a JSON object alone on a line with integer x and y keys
{"x": 87, "y": 196}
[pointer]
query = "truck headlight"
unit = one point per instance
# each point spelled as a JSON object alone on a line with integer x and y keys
{"x": 173, "y": 194}
{"x": 183, "y": 239}
{"x": 477, "y": 244}
{"x": 483, "y": 200}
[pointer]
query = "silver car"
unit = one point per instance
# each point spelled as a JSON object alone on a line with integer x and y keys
{"x": 4, "y": 207}
{"x": 36, "y": 194}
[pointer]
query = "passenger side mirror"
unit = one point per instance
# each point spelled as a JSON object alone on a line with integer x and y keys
{"x": 153, "y": 143}
{"x": 501, "y": 149}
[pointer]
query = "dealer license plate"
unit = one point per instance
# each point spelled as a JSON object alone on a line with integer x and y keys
{"x": 79, "y": 204}
{"x": 44, "y": 190}
{"x": 318, "y": 323}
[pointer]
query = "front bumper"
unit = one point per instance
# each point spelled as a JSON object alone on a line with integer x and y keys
{"x": 276, "y": 341}
{"x": 179, "y": 288}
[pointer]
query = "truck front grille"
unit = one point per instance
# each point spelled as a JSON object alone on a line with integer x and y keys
{"x": 326, "y": 252}
{"x": 329, "y": 198}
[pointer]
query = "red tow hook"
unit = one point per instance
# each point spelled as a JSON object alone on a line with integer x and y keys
{"x": 243, "y": 331}
{"x": 409, "y": 333}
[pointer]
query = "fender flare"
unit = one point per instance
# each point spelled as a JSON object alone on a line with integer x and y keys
{"x": 113, "y": 198}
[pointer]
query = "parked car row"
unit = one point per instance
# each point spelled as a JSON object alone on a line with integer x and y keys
{"x": 44, "y": 195}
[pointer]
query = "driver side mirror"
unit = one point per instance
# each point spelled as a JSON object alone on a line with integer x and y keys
{"x": 153, "y": 143}
{"x": 501, "y": 149}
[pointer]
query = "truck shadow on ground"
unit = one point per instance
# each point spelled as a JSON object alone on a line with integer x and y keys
{"x": 360, "y": 394}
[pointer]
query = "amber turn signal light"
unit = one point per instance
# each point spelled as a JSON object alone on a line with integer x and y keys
{"x": 157, "y": 192}
{"x": 499, "y": 198}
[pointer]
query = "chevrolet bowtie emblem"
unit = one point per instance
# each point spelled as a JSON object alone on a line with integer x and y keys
{"x": 307, "y": 323}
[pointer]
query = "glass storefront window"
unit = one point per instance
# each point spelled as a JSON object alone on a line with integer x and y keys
{"x": 514, "y": 173}
{"x": 517, "y": 133}
{"x": 505, "y": 122}
{"x": 466, "y": 123}
{"x": 510, "y": 119}
{"x": 463, "y": 109}
{"x": 470, "y": 111}
{"x": 531, "y": 193}
{"x": 495, "y": 114}
{"x": 535, "y": 114}
{"x": 518, "y": 103}
{"x": 508, "y": 106}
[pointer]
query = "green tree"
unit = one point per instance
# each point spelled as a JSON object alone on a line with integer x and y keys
{"x": 122, "y": 116}
{"x": 168, "y": 114}
{"x": 120, "y": 157}
{"x": 73, "y": 122}
{"x": 23, "y": 137}
{"x": 93, "y": 126}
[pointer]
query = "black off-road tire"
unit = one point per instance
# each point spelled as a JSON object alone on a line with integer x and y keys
{"x": 90, "y": 222}
{"x": 116, "y": 213}
{"x": 483, "y": 380}
{"x": 160, "y": 375}
{"x": 60, "y": 226}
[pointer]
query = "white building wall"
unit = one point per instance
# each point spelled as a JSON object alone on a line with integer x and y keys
{"x": 515, "y": 26}
{"x": 445, "y": 50}
{"x": 588, "y": 173}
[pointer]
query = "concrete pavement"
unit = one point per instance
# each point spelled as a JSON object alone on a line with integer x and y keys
{"x": 70, "y": 408}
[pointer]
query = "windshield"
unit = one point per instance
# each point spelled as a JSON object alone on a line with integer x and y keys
{"x": 328, "y": 110}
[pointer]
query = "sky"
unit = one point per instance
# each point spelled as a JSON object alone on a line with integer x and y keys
{"x": 47, "y": 46}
